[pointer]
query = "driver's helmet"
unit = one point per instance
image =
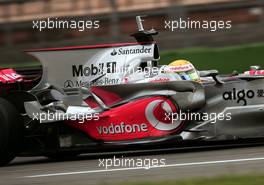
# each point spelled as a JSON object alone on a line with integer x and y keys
{"x": 184, "y": 69}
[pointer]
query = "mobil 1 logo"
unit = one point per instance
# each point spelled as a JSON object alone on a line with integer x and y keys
{"x": 93, "y": 69}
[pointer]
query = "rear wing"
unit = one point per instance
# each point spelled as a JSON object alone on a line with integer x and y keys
{"x": 76, "y": 67}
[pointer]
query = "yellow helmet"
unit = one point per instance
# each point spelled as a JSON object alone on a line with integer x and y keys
{"x": 179, "y": 62}
{"x": 184, "y": 68}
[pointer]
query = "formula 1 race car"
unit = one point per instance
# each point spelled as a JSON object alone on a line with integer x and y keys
{"x": 88, "y": 100}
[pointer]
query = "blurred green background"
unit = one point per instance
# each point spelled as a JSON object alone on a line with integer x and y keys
{"x": 224, "y": 59}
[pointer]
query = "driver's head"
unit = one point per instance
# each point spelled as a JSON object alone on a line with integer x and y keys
{"x": 183, "y": 68}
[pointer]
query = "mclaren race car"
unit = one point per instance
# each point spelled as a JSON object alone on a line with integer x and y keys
{"x": 91, "y": 98}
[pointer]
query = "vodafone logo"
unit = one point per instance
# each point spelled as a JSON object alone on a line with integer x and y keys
{"x": 122, "y": 128}
{"x": 160, "y": 80}
{"x": 179, "y": 68}
{"x": 159, "y": 125}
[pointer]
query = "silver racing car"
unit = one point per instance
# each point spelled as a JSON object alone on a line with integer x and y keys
{"x": 117, "y": 97}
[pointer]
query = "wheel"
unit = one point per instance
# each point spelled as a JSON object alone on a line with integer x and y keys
{"x": 11, "y": 132}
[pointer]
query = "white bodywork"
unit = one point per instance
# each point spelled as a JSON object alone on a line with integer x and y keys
{"x": 78, "y": 67}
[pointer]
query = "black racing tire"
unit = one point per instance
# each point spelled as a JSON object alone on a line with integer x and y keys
{"x": 11, "y": 132}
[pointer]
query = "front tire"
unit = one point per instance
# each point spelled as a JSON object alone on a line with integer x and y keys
{"x": 11, "y": 132}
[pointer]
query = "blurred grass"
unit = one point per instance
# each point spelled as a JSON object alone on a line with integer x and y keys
{"x": 26, "y": 64}
{"x": 225, "y": 59}
{"x": 221, "y": 180}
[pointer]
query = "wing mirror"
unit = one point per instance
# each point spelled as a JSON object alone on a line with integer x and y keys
{"x": 211, "y": 73}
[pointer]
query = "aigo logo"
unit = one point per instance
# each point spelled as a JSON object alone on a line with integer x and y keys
{"x": 240, "y": 96}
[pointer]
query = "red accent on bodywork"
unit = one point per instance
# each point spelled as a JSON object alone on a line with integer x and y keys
{"x": 256, "y": 72}
{"x": 91, "y": 102}
{"x": 131, "y": 114}
{"x": 159, "y": 113}
{"x": 89, "y": 47}
{"x": 10, "y": 80}
{"x": 9, "y": 76}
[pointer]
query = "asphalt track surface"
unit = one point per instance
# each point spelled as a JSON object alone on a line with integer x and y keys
{"x": 179, "y": 165}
